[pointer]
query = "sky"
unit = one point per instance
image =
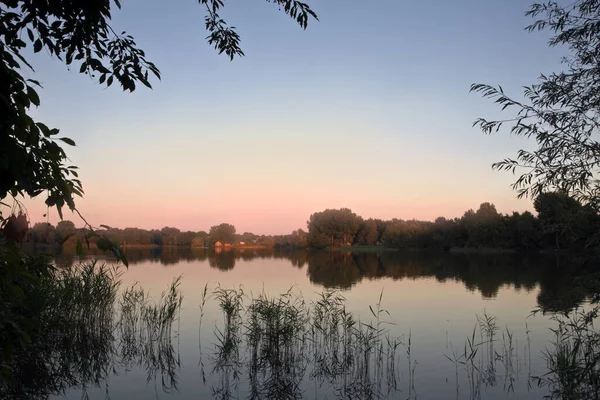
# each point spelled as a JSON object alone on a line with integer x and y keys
{"x": 369, "y": 109}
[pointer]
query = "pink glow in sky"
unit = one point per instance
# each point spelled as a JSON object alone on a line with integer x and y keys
{"x": 376, "y": 118}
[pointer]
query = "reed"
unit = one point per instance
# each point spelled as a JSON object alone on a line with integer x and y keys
{"x": 278, "y": 340}
{"x": 487, "y": 361}
{"x": 87, "y": 333}
{"x": 573, "y": 359}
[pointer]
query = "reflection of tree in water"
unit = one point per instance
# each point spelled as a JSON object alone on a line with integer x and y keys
{"x": 484, "y": 273}
{"x": 65, "y": 258}
{"x": 298, "y": 258}
{"x": 479, "y": 272}
{"x": 223, "y": 260}
{"x": 333, "y": 269}
{"x": 174, "y": 255}
{"x": 487, "y": 274}
{"x": 564, "y": 285}
{"x": 253, "y": 254}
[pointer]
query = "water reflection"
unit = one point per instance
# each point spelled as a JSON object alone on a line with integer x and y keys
{"x": 561, "y": 280}
{"x": 87, "y": 334}
{"x": 560, "y": 290}
{"x": 279, "y": 343}
{"x": 286, "y": 346}
{"x": 222, "y": 259}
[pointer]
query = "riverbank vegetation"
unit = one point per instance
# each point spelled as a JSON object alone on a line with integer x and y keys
{"x": 562, "y": 224}
{"x": 79, "y": 325}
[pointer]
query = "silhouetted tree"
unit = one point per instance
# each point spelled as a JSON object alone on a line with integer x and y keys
{"x": 409, "y": 234}
{"x": 224, "y": 233}
{"x": 198, "y": 241}
{"x": 298, "y": 239}
{"x": 170, "y": 236}
{"x": 44, "y": 233}
{"x": 65, "y": 229}
{"x": 558, "y": 213}
{"x": 368, "y": 234}
{"x": 485, "y": 225}
{"x": 336, "y": 227}
{"x": 156, "y": 238}
{"x": 560, "y": 111}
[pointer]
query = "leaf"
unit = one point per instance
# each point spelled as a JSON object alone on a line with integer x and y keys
{"x": 30, "y": 34}
{"x": 116, "y": 252}
{"x": 145, "y": 82}
{"x": 33, "y": 96}
{"x": 45, "y": 130}
{"x": 37, "y": 83}
{"x": 68, "y": 141}
{"x": 37, "y": 46}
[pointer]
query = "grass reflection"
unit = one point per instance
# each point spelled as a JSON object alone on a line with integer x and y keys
{"x": 86, "y": 335}
{"x": 278, "y": 342}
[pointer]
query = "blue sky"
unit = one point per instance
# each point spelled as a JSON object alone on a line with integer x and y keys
{"x": 369, "y": 108}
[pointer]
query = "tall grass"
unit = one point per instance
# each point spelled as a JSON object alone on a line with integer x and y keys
{"x": 279, "y": 341}
{"x": 275, "y": 332}
{"x": 146, "y": 332}
{"x": 358, "y": 357}
{"x": 73, "y": 343}
{"x": 202, "y": 304}
{"x": 489, "y": 357}
{"x": 573, "y": 359}
{"x": 86, "y": 333}
{"x": 226, "y": 358}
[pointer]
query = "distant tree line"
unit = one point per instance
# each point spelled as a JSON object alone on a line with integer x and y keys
{"x": 65, "y": 233}
{"x": 562, "y": 223}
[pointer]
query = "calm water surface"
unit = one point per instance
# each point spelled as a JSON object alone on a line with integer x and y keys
{"x": 433, "y": 301}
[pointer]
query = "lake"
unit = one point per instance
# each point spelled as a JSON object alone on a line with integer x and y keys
{"x": 459, "y": 325}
